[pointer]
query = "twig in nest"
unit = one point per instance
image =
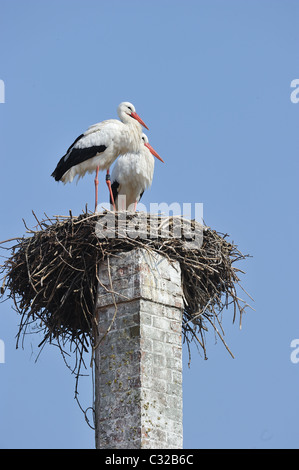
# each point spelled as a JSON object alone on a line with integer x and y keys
{"x": 52, "y": 276}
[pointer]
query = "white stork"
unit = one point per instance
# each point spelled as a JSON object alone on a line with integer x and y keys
{"x": 98, "y": 147}
{"x": 131, "y": 175}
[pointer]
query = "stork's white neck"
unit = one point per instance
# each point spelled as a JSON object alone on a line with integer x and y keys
{"x": 134, "y": 133}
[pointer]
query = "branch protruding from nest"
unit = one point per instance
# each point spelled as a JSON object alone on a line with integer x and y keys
{"x": 52, "y": 275}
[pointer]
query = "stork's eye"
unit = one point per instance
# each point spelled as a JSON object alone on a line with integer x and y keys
{"x": 130, "y": 108}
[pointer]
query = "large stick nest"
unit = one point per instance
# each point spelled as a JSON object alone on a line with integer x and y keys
{"x": 52, "y": 274}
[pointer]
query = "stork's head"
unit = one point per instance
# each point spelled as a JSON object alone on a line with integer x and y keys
{"x": 153, "y": 152}
{"x": 144, "y": 138}
{"x": 126, "y": 109}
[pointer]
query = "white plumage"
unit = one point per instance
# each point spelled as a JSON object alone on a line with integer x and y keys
{"x": 98, "y": 147}
{"x": 132, "y": 174}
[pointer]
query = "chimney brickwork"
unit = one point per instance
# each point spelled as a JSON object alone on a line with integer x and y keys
{"x": 138, "y": 378}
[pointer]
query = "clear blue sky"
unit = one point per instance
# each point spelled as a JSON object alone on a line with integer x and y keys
{"x": 211, "y": 78}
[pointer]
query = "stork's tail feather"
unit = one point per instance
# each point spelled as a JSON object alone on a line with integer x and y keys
{"x": 59, "y": 171}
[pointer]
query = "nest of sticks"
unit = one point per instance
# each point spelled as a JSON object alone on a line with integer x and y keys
{"x": 51, "y": 273}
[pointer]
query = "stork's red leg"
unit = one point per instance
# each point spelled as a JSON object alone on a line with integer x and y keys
{"x": 135, "y": 205}
{"x": 96, "y": 183}
{"x": 110, "y": 189}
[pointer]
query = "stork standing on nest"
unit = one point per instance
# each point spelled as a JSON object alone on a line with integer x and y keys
{"x": 132, "y": 174}
{"x": 98, "y": 147}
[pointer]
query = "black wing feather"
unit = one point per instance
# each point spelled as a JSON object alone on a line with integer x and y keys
{"x": 114, "y": 187}
{"x": 75, "y": 141}
{"x": 75, "y": 157}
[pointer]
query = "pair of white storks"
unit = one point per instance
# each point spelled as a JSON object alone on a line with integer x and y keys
{"x": 98, "y": 147}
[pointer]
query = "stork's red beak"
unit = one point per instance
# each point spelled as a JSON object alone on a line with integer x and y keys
{"x": 153, "y": 151}
{"x": 135, "y": 116}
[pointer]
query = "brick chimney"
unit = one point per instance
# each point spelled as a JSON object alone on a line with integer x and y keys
{"x": 138, "y": 358}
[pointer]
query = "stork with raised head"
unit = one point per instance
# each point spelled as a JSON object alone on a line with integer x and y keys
{"x": 132, "y": 174}
{"x": 98, "y": 147}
